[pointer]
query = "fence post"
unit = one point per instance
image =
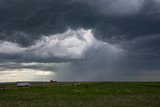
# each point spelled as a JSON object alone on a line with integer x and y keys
{"x": 4, "y": 88}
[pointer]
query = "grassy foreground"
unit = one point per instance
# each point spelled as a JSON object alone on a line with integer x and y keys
{"x": 92, "y": 94}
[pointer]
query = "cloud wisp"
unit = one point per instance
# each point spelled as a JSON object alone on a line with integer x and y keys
{"x": 118, "y": 7}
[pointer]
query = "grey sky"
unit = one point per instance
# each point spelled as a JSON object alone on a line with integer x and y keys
{"x": 81, "y": 39}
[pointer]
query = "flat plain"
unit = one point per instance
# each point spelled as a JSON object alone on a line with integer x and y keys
{"x": 81, "y": 94}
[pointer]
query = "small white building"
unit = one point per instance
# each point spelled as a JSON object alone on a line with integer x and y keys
{"x": 23, "y": 84}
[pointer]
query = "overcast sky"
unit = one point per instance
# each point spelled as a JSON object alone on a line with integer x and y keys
{"x": 81, "y": 40}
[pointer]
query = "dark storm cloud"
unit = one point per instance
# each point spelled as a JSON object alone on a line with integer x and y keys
{"x": 131, "y": 25}
{"x": 41, "y": 17}
{"x": 143, "y": 53}
{"x": 24, "y": 21}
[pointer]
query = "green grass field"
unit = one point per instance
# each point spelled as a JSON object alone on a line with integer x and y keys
{"x": 91, "y": 94}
